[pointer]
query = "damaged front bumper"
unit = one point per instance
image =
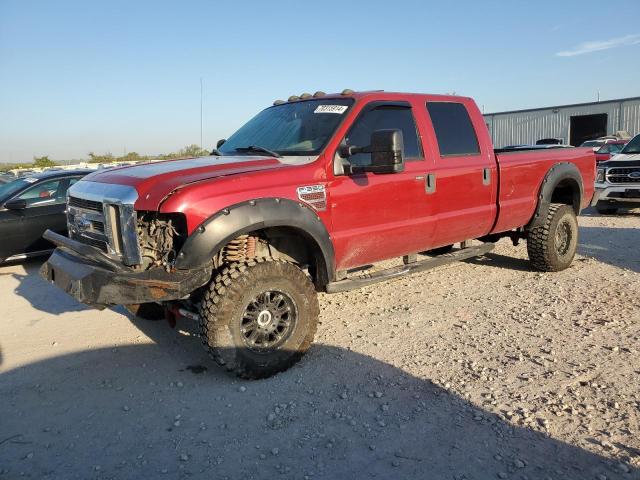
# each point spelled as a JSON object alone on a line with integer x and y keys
{"x": 91, "y": 277}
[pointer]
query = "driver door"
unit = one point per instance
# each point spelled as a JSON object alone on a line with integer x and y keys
{"x": 380, "y": 216}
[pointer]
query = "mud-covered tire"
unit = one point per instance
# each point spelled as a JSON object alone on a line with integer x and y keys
{"x": 602, "y": 210}
{"x": 552, "y": 246}
{"x": 146, "y": 311}
{"x": 228, "y": 311}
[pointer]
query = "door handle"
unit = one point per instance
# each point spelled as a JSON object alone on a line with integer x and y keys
{"x": 486, "y": 176}
{"x": 430, "y": 183}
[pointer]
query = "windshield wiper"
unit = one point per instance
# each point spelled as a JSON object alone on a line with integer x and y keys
{"x": 258, "y": 148}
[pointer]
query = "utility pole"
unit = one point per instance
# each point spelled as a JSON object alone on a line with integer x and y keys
{"x": 598, "y": 95}
{"x": 200, "y": 113}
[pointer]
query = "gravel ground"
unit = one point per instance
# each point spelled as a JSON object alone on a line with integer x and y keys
{"x": 483, "y": 369}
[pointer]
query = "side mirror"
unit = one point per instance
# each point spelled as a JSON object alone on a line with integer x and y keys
{"x": 16, "y": 204}
{"x": 220, "y": 142}
{"x": 386, "y": 149}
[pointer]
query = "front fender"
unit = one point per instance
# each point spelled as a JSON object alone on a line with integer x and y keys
{"x": 225, "y": 225}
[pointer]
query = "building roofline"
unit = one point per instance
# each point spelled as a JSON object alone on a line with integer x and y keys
{"x": 617, "y": 100}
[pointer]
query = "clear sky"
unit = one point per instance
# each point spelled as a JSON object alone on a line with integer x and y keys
{"x": 115, "y": 76}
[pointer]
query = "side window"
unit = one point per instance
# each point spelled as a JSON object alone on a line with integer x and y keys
{"x": 45, "y": 193}
{"x": 453, "y": 127}
{"x": 384, "y": 117}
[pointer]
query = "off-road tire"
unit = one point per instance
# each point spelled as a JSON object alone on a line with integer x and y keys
{"x": 602, "y": 210}
{"x": 552, "y": 246}
{"x": 225, "y": 303}
{"x": 146, "y": 311}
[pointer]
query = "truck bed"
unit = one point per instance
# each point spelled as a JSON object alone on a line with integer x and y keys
{"x": 521, "y": 175}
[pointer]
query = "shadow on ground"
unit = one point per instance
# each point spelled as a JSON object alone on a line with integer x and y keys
{"x": 40, "y": 294}
{"x": 614, "y": 246}
{"x": 141, "y": 411}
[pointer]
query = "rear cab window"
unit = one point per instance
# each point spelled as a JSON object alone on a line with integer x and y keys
{"x": 453, "y": 128}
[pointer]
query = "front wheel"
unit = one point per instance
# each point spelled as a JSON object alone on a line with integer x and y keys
{"x": 259, "y": 317}
{"x": 552, "y": 246}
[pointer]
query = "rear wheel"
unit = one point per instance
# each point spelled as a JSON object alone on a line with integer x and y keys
{"x": 146, "y": 311}
{"x": 259, "y": 317}
{"x": 552, "y": 246}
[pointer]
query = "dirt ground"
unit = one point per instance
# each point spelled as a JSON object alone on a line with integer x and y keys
{"x": 479, "y": 370}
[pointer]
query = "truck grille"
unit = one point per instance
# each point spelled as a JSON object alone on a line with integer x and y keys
{"x": 103, "y": 216}
{"x": 85, "y": 219}
{"x": 623, "y": 175}
{"x": 85, "y": 204}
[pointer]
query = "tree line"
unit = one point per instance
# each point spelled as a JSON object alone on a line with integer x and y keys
{"x": 43, "y": 162}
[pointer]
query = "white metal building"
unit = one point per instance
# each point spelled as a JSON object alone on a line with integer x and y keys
{"x": 572, "y": 123}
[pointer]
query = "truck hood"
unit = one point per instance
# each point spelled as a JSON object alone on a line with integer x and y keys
{"x": 625, "y": 156}
{"x": 154, "y": 181}
{"x": 622, "y": 160}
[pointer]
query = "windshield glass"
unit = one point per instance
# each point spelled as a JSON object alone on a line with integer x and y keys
{"x": 8, "y": 189}
{"x": 295, "y": 128}
{"x": 633, "y": 146}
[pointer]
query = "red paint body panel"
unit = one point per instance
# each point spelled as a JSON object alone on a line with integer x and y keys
{"x": 370, "y": 217}
{"x": 521, "y": 176}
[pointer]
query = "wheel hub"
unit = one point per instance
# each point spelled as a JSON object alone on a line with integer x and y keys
{"x": 563, "y": 238}
{"x": 264, "y": 318}
{"x": 268, "y": 320}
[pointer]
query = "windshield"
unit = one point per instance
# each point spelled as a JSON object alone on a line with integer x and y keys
{"x": 633, "y": 146}
{"x": 8, "y": 189}
{"x": 294, "y": 128}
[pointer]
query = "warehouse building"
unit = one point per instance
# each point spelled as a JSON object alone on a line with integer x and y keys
{"x": 573, "y": 124}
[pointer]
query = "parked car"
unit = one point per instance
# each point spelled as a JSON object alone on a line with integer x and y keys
{"x": 301, "y": 196}
{"x": 605, "y": 152}
{"x": 28, "y": 207}
{"x": 598, "y": 142}
{"x": 618, "y": 180}
{"x": 6, "y": 178}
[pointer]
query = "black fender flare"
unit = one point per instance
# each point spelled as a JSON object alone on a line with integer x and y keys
{"x": 558, "y": 173}
{"x": 215, "y": 232}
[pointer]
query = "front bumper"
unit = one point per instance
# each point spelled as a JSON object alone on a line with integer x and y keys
{"x": 89, "y": 276}
{"x": 620, "y": 195}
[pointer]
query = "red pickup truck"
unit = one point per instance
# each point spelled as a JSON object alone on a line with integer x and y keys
{"x": 299, "y": 200}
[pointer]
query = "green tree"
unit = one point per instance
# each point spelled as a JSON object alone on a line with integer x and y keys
{"x": 43, "y": 162}
{"x": 95, "y": 158}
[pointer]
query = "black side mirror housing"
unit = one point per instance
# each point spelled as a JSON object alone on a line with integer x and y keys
{"x": 386, "y": 149}
{"x": 220, "y": 142}
{"x": 16, "y": 204}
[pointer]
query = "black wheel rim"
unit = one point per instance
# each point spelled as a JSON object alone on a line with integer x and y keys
{"x": 268, "y": 320}
{"x": 563, "y": 238}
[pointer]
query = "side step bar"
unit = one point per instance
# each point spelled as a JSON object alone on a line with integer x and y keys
{"x": 402, "y": 270}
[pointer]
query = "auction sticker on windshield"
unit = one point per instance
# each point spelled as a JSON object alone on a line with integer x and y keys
{"x": 339, "y": 109}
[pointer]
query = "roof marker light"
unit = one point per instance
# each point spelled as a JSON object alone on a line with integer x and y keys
{"x": 278, "y": 102}
{"x": 304, "y": 96}
{"x": 319, "y": 94}
{"x": 346, "y": 91}
{"x": 293, "y": 98}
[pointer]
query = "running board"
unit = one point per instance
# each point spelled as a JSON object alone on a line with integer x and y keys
{"x": 402, "y": 270}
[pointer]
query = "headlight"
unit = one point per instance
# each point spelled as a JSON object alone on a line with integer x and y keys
{"x": 600, "y": 175}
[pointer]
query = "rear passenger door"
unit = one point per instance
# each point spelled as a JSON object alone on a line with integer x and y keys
{"x": 463, "y": 180}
